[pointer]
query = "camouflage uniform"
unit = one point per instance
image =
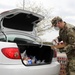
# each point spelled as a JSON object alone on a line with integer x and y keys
{"x": 67, "y": 34}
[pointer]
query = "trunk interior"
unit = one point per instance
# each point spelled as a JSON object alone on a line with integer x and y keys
{"x": 33, "y": 54}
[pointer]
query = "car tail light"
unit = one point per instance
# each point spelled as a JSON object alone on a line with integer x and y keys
{"x": 55, "y": 53}
{"x": 12, "y": 53}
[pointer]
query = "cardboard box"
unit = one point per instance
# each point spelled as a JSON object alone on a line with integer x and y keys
{"x": 62, "y": 59}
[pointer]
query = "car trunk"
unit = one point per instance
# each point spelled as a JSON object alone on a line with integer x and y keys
{"x": 34, "y": 54}
{"x": 31, "y": 54}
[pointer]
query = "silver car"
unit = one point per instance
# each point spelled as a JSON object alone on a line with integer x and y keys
{"x": 20, "y": 52}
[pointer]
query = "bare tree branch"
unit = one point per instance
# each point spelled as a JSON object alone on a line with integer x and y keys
{"x": 45, "y": 24}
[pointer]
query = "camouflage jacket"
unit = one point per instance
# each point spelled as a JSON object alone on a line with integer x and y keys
{"x": 67, "y": 35}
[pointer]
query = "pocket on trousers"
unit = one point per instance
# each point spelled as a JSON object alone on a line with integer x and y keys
{"x": 73, "y": 64}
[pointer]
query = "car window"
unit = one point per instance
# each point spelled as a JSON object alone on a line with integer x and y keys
{"x": 18, "y": 39}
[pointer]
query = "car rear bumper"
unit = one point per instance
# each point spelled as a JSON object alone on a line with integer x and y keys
{"x": 50, "y": 69}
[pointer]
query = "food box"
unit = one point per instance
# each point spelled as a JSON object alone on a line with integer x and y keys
{"x": 62, "y": 59}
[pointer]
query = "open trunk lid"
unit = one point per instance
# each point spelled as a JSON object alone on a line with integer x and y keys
{"x": 20, "y": 19}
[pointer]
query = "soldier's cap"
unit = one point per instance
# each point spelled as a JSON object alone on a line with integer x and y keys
{"x": 55, "y": 20}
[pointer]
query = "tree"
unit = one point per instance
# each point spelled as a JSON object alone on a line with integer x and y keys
{"x": 45, "y": 24}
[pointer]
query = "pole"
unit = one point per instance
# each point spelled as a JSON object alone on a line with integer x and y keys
{"x": 23, "y": 4}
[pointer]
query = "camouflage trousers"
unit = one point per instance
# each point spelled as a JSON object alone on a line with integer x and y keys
{"x": 72, "y": 73}
{"x": 70, "y": 69}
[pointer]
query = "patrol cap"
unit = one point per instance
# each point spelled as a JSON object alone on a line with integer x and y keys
{"x": 55, "y": 20}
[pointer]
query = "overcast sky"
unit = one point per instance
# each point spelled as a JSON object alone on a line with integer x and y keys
{"x": 62, "y": 8}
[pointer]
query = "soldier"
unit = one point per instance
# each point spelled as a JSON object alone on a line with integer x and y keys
{"x": 67, "y": 35}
